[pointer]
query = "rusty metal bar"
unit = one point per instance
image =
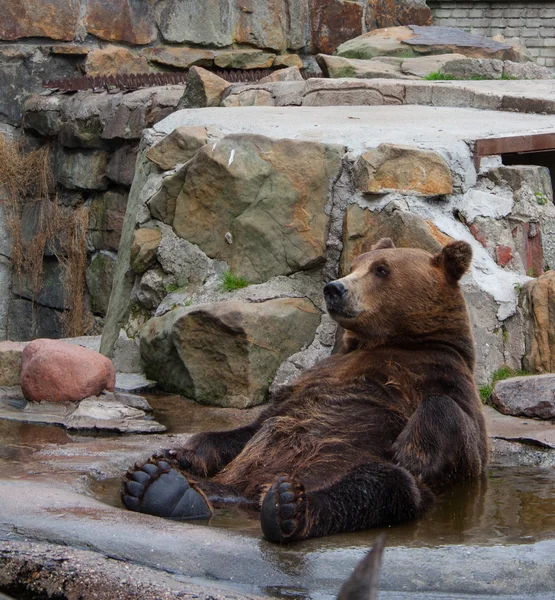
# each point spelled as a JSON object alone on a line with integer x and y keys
{"x": 520, "y": 143}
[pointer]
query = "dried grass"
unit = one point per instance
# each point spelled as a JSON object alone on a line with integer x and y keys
{"x": 26, "y": 181}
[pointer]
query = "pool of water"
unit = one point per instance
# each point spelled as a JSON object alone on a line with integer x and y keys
{"x": 513, "y": 505}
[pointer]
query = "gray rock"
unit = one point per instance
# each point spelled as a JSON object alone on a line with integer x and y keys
{"x": 127, "y": 355}
{"x": 82, "y": 169}
{"x": 182, "y": 259}
{"x": 526, "y": 70}
{"x": 27, "y": 323}
{"x": 203, "y": 22}
{"x": 133, "y": 383}
{"x": 229, "y": 351}
{"x": 532, "y": 396}
{"x": 162, "y": 203}
{"x": 106, "y": 215}
{"x": 22, "y": 77}
{"x": 111, "y": 412}
{"x": 152, "y": 287}
{"x": 121, "y": 166}
{"x": 468, "y": 68}
{"x": 51, "y": 293}
{"x": 100, "y": 276}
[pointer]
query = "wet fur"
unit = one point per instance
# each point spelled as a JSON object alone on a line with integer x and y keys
{"x": 373, "y": 432}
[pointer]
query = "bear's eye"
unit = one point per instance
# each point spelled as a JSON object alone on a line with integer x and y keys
{"x": 381, "y": 271}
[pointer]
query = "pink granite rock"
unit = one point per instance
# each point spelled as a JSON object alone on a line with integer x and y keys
{"x": 60, "y": 372}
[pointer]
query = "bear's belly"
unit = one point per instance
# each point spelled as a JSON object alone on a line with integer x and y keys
{"x": 319, "y": 443}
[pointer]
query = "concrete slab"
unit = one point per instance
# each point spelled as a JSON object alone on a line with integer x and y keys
{"x": 364, "y": 127}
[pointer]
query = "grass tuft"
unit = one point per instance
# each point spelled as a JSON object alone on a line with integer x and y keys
{"x": 502, "y": 373}
{"x": 230, "y": 282}
{"x": 437, "y": 76}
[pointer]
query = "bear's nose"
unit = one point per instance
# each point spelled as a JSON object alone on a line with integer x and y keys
{"x": 334, "y": 291}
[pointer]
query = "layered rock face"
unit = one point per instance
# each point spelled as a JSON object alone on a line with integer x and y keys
{"x": 173, "y": 34}
{"x": 230, "y": 238}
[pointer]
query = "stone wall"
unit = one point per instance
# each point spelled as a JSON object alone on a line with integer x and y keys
{"x": 52, "y": 39}
{"x": 534, "y": 22}
{"x": 93, "y": 141}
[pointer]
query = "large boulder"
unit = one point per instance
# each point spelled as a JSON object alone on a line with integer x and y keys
{"x": 56, "y": 371}
{"x": 226, "y": 353}
{"x": 39, "y": 19}
{"x": 415, "y": 40}
{"x": 259, "y": 204}
{"x": 526, "y": 396}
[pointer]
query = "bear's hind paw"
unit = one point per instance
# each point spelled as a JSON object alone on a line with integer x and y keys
{"x": 283, "y": 513}
{"x": 156, "y": 488}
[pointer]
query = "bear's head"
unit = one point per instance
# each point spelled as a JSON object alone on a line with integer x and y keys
{"x": 402, "y": 294}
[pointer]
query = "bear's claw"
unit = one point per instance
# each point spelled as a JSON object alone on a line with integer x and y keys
{"x": 283, "y": 514}
{"x": 156, "y": 488}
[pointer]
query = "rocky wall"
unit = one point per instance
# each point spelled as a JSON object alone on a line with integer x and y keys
{"x": 93, "y": 141}
{"x": 42, "y": 40}
{"x": 284, "y": 216}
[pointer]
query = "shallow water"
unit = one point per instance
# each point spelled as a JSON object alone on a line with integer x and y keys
{"x": 514, "y": 505}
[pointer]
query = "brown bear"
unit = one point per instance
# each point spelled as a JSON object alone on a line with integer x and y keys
{"x": 365, "y": 438}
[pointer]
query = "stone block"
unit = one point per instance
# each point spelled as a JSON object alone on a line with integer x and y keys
{"x": 27, "y": 322}
{"x": 203, "y": 89}
{"x": 540, "y": 346}
{"x": 81, "y": 169}
{"x": 267, "y": 197}
{"x": 362, "y": 228}
{"x": 202, "y": 22}
{"x": 57, "y": 21}
{"x": 56, "y": 371}
{"x": 242, "y": 343}
{"x": 261, "y": 23}
{"x": 144, "y": 248}
{"x": 51, "y": 292}
{"x": 288, "y": 60}
{"x": 121, "y": 21}
{"x": 180, "y": 58}
{"x": 334, "y": 22}
{"x": 404, "y": 169}
{"x": 114, "y": 60}
{"x": 121, "y": 166}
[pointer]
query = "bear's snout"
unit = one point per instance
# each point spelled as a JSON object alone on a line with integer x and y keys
{"x": 334, "y": 294}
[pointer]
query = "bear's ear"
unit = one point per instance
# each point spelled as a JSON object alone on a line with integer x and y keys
{"x": 382, "y": 244}
{"x": 455, "y": 258}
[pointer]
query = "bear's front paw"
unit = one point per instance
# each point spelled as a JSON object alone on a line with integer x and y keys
{"x": 284, "y": 509}
{"x": 156, "y": 488}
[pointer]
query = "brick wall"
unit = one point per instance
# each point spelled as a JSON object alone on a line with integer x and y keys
{"x": 534, "y": 22}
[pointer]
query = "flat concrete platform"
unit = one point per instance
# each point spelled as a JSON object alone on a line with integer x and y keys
{"x": 362, "y": 127}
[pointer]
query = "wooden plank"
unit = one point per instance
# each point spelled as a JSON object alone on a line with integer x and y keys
{"x": 539, "y": 142}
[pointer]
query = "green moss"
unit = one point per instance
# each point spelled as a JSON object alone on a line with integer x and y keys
{"x": 503, "y": 373}
{"x": 230, "y": 282}
{"x": 437, "y": 76}
{"x": 171, "y": 287}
